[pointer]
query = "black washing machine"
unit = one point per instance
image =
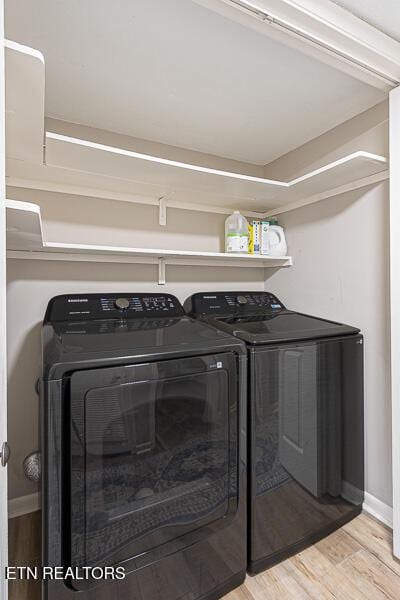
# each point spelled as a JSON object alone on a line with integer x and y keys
{"x": 144, "y": 450}
{"x": 306, "y": 420}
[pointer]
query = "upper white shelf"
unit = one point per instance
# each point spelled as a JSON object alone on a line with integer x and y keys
{"x": 187, "y": 182}
{"x": 84, "y": 167}
{"x": 25, "y": 239}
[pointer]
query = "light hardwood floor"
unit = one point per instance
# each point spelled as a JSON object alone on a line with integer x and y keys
{"x": 24, "y": 549}
{"x": 354, "y": 563}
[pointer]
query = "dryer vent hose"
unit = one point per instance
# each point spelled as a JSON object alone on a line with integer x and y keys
{"x": 32, "y": 466}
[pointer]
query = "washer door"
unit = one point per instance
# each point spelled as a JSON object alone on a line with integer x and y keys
{"x": 153, "y": 459}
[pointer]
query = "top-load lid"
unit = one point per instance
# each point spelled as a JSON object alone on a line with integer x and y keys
{"x": 261, "y": 318}
{"x": 96, "y": 329}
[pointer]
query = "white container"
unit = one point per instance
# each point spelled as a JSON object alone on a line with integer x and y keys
{"x": 264, "y": 237}
{"x": 236, "y": 234}
{"x": 277, "y": 241}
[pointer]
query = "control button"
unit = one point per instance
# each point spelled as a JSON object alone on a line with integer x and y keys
{"x": 241, "y": 300}
{"x": 122, "y": 303}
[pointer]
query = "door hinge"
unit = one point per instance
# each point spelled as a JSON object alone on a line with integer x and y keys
{"x": 4, "y": 454}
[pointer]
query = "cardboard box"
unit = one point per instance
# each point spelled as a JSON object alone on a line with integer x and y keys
{"x": 264, "y": 237}
{"x": 254, "y": 237}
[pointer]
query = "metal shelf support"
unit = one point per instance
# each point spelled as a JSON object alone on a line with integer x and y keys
{"x": 161, "y": 271}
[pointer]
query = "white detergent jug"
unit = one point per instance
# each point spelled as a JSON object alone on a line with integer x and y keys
{"x": 277, "y": 241}
{"x": 236, "y": 233}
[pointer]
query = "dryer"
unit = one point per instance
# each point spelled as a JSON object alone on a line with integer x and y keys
{"x": 143, "y": 444}
{"x": 306, "y": 420}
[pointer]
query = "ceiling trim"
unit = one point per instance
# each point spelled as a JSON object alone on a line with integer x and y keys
{"x": 324, "y": 30}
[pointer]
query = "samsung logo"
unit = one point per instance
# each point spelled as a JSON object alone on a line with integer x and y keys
{"x": 209, "y": 297}
{"x": 78, "y": 300}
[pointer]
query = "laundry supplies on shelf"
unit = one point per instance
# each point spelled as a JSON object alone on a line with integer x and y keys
{"x": 254, "y": 237}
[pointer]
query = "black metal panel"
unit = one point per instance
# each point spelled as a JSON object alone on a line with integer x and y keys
{"x": 306, "y": 444}
{"x": 68, "y": 346}
{"x": 260, "y": 318}
{"x": 153, "y": 456}
{"x": 89, "y": 307}
{"x": 192, "y": 565}
{"x": 231, "y": 303}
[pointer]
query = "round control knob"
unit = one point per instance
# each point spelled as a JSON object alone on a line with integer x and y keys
{"x": 241, "y": 300}
{"x": 122, "y": 303}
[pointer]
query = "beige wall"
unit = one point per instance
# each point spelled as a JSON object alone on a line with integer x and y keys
{"x": 153, "y": 148}
{"x": 32, "y": 283}
{"x": 367, "y": 131}
{"x": 340, "y": 250}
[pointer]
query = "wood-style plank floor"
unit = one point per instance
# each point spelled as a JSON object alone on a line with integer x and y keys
{"x": 354, "y": 563}
{"x": 24, "y": 549}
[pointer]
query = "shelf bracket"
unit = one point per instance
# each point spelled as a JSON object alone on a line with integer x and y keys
{"x": 161, "y": 270}
{"x": 162, "y": 213}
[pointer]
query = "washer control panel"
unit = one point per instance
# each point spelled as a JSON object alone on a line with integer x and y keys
{"x": 88, "y": 307}
{"x": 227, "y": 303}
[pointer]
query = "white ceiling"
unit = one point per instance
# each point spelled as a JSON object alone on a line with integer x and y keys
{"x": 382, "y": 14}
{"x": 175, "y": 72}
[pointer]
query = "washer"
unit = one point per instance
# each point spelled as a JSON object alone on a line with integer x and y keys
{"x": 306, "y": 420}
{"x": 144, "y": 450}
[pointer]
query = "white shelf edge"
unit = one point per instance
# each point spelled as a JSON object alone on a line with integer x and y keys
{"x": 162, "y": 161}
{"x": 37, "y": 247}
{"x": 336, "y": 163}
{"x": 207, "y": 170}
{"x": 158, "y": 252}
{"x": 11, "y": 45}
{"x": 349, "y": 187}
{"x": 24, "y": 206}
{"x": 201, "y": 259}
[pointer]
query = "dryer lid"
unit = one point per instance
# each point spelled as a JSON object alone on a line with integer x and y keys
{"x": 281, "y": 327}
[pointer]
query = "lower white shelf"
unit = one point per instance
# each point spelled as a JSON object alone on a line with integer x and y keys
{"x": 25, "y": 240}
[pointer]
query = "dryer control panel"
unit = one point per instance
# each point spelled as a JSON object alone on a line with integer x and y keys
{"x": 88, "y": 307}
{"x": 227, "y": 303}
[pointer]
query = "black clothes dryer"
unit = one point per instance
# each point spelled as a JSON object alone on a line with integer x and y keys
{"x": 144, "y": 450}
{"x": 306, "y": 420}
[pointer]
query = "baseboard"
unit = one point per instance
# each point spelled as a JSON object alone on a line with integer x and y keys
{"x": 23, "y": 505}
{"x": 378, "y": 509}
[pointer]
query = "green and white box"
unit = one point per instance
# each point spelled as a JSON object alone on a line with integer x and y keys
{"x": 256, "y": 247}
{"x": 264, "y": 237}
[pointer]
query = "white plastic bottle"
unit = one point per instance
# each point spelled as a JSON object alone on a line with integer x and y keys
{"x": 236, "y": 233}
{"x": 276, "y": 239}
